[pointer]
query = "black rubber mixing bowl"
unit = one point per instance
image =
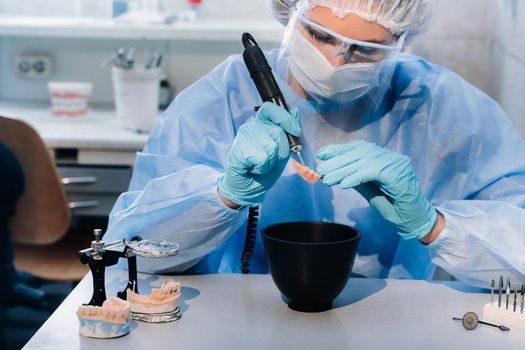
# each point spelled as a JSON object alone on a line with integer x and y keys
{"x": 310, "y": 262}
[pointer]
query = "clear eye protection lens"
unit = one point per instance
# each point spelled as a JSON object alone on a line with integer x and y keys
{"x": 354, "y": 51}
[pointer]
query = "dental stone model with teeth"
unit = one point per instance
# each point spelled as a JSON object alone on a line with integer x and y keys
{"x": 159, "y": 306}
{"x": 110, "y": 320}
{"x": 102, "y": 318}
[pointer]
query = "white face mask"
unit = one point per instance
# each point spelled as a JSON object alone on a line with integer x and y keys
{"x": 324, "y": 82}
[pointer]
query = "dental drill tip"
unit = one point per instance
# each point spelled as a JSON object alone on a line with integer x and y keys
{"x": 507, "y": 294}
{"x": 300, "y": 156}
{"x": 515, "y": 296}
{"x": 522, "y": 296}
{"x": 492, "y": 285}
{"x": 500, "y": 290}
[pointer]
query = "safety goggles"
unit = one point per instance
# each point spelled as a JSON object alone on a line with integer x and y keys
{"x": 354, "y": 51}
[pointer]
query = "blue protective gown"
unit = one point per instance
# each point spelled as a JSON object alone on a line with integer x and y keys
{"x": 468, "y": 158}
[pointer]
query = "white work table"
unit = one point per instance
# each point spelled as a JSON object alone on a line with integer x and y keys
{"x": 246, "y": 312}
{"x": 98, "y": 137}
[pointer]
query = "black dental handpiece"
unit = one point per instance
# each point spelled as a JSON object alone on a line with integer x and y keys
{"x": 262, "y": 76}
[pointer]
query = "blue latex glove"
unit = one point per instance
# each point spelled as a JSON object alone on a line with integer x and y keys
{"x": 259, "y": 154}
{"x": 385, "y": 178}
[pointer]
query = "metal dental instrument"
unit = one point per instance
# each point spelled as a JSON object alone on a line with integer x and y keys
{"x": 492, "y": 284}
{"x": 157, "y": 60}
{"x": 515, "y": 296}
{"x": 507, "y": 294}
{"x": 128, "y": 59}
{"x": 101, "y": 255}
{"x": 470, "y": 321}
{"x": 522, "y": 296}
{"x": 500, "y": 290}
{"x": 500, "y": 326}
{"x": 261, "y": 74}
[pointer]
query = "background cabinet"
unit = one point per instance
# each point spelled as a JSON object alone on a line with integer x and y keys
{"x": 93, "y": 190}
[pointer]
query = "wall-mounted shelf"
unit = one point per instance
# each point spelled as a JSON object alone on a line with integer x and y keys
{"x": 90, "y": 28}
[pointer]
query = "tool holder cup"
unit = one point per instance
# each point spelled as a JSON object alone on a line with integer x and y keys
{"x": 137, "y": 97}
{"x": 310, "y": 262}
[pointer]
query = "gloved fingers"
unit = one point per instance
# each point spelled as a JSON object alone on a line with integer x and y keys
{"x": 385, "y": 208}
{"x": 296, "y": 120}
{"x": 264, "y": 155}
{"x": 396, "y": 168}
{"x": 271, "y": 113}
{"x": 378, "y": 167}
{"x": 331, "y": 151}
{"x": 358, "y": 175}
{"x": 378, "y": 200}
{"x": 345, "y": 167}
{"x": 253, "y": 150}
{"x": 369, "y": 190}
{"x": 279, "y": 137}
{"x": 355, "y": 174}
{"x": 368, "y": 155}
{"x": 386, "y": 167}
{"x": 333, "y": 164}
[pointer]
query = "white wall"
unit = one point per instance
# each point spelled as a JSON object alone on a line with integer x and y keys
{"x": 184, "y": 61}
{"x": 482, "y": 40}
{"x": 80, "y": 60}
{"x": 506, "y": 80}
{"x": 217, "y": 9}
{"x": 458, "y": 38}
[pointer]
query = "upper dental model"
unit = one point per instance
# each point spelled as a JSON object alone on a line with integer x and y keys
{"x": 159, "y": 306}
{"x": 109, "y": 321}
{"x": 305, "y": 172}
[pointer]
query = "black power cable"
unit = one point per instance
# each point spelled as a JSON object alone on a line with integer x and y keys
{"x": 251, "y": 235}
{"x": 261, "y": 74}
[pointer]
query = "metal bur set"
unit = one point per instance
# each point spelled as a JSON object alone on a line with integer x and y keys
{"x": 508, "y": 308}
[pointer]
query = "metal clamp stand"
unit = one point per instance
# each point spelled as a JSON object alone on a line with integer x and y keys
{"x": 100, "y": 256}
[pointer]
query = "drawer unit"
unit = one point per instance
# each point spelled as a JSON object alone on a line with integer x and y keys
{"x": 94, "y": 204}
{"x": 92, "y": 190}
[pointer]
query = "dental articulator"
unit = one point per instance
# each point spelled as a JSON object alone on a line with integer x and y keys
{"x": 110, "y": 318}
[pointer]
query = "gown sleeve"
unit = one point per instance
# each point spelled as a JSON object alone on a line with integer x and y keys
{"x": 173, "y": 191}
{"x": 484, "y": 236}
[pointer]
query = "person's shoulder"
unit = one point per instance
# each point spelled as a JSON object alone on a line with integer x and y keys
{"x": 414, "y": 72}
{"x": 233, "y": 60}
{"x": 449, "y": 98}
{"x": 416, "y": 68}
{"x": 230, "y": 65}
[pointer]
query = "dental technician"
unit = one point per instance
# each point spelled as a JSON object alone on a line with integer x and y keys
{"x": 427, "y": 167}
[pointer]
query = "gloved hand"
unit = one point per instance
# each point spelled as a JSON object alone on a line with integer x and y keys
{"x": 385, "y": 178}
{"x": 259, "y": 155}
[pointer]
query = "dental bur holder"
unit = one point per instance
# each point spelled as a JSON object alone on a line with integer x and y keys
{"x": 101, "y": 255}
{"x": 508, "y": 311}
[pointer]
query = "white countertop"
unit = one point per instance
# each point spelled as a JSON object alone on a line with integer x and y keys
{"x": 93, "y": 28}
{"x": 234, "y": 311}
{"x": 100, "y": 130}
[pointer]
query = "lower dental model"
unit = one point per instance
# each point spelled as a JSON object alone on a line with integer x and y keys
{"x": 305, "y": 172}
{"x": 109, "y": 321}
{"x": 159, "y": 306}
